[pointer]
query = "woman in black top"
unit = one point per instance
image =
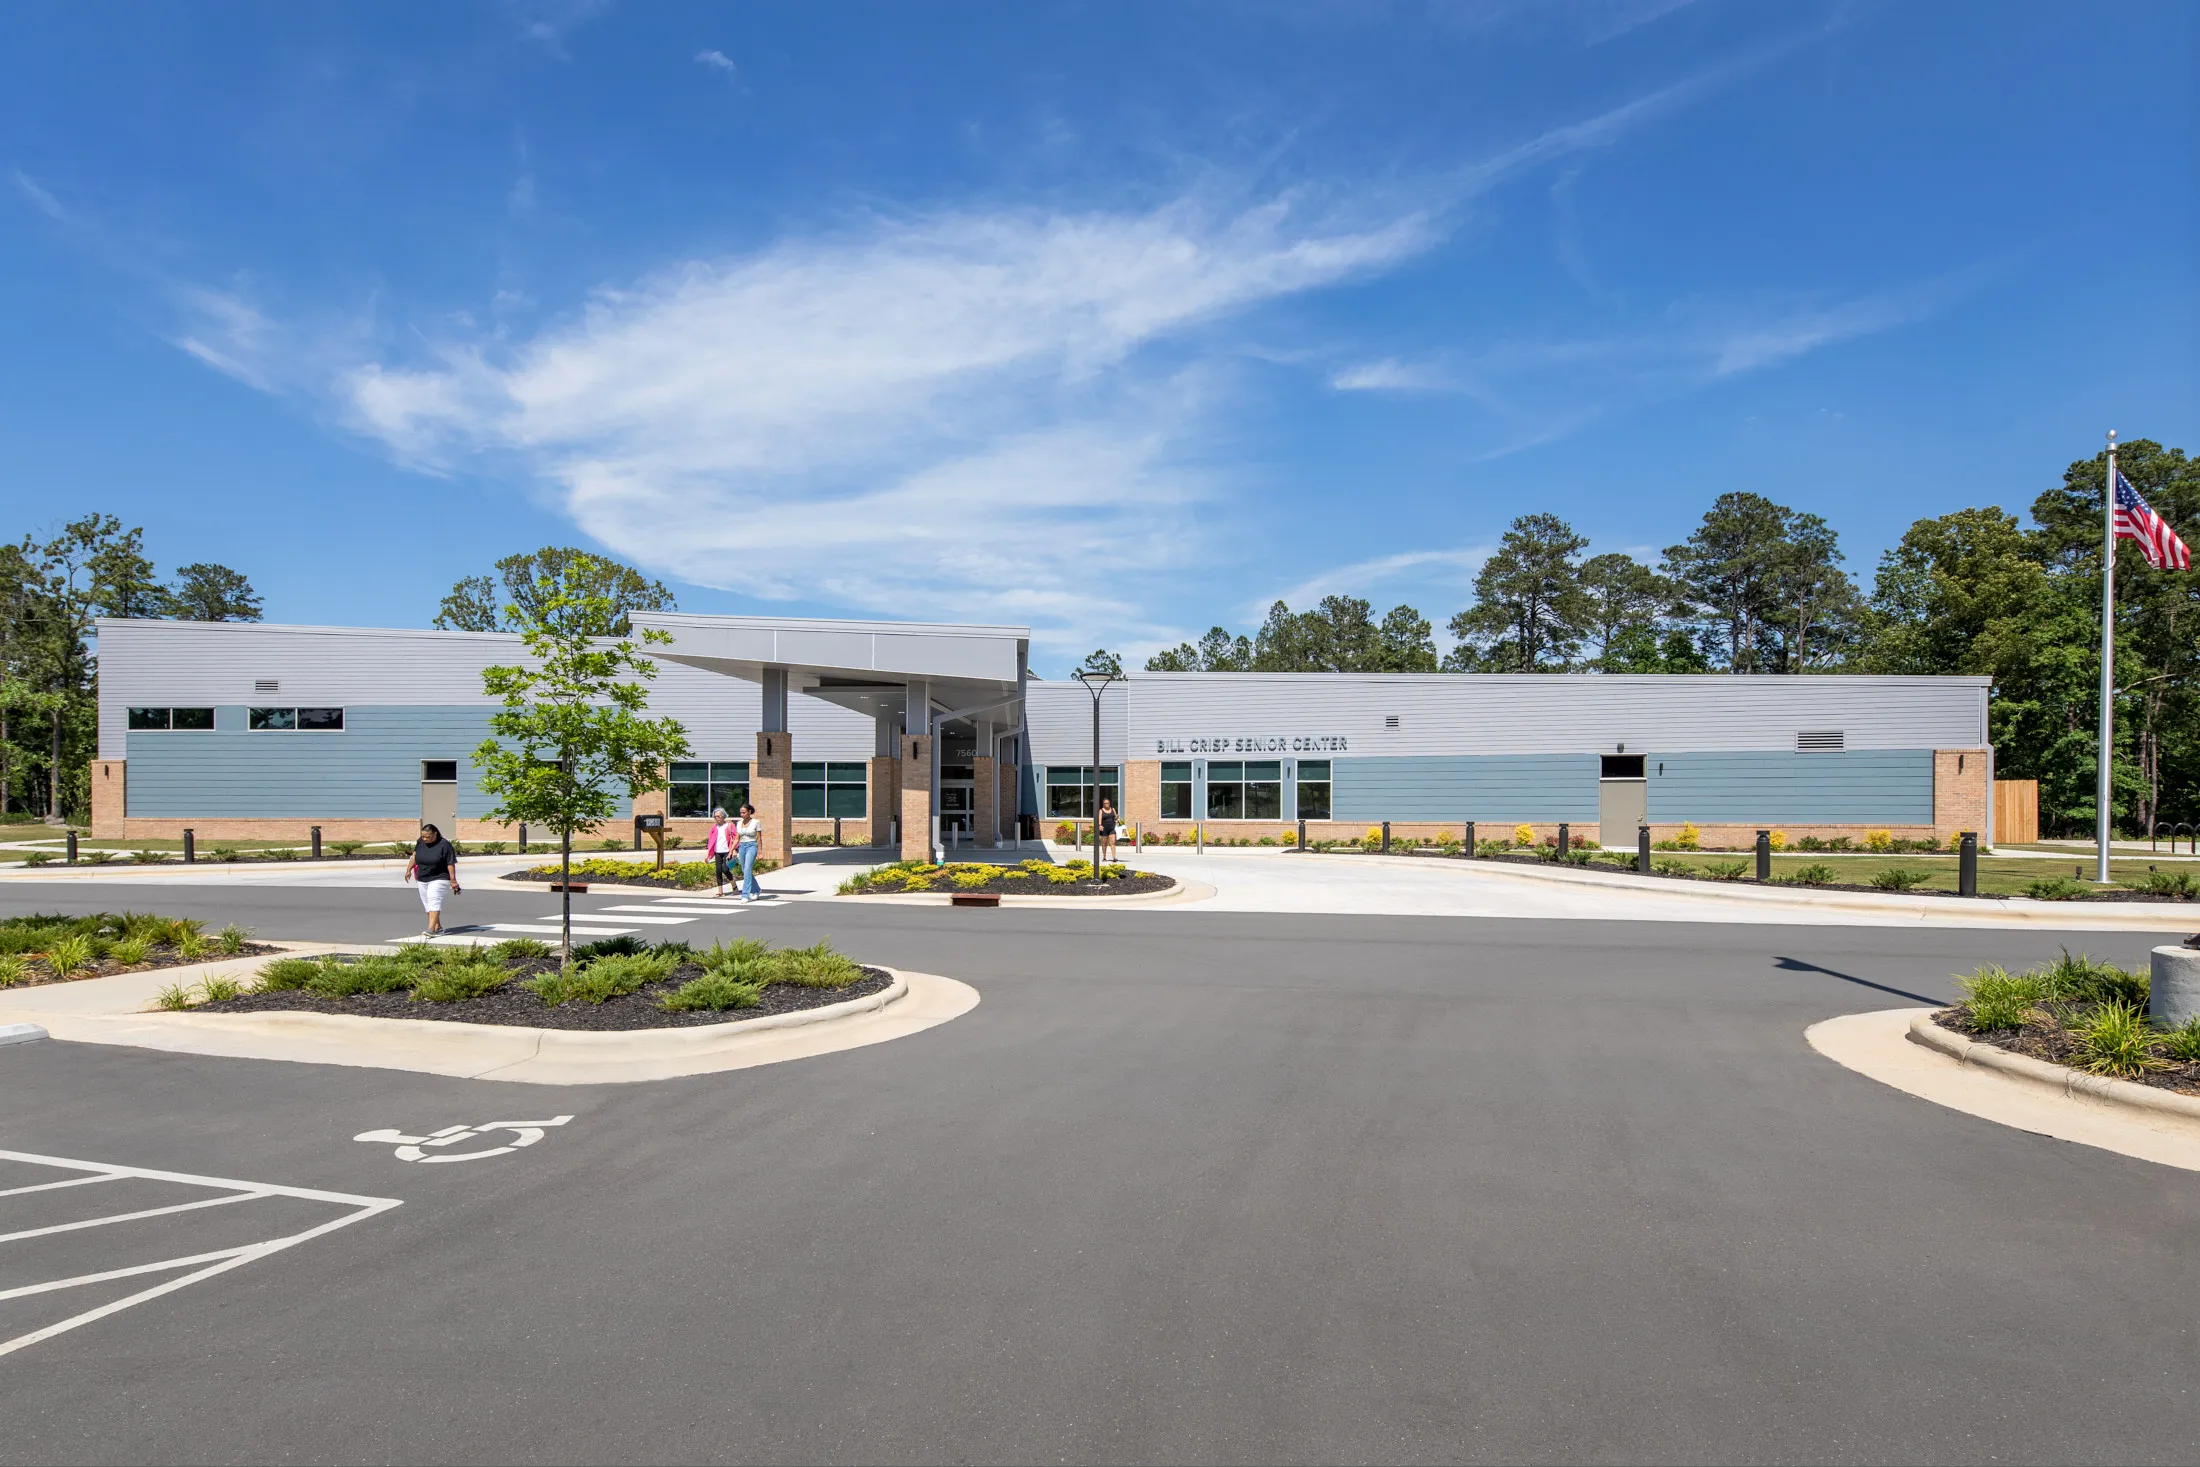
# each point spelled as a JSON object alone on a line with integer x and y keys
{"x": 1107, "y": 831}
{"x": 434, "y": 865}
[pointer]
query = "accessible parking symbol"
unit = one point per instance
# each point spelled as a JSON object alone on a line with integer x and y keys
{"x": 418, "y": 1148}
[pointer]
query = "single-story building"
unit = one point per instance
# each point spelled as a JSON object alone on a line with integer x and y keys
{"x": 904, "y": 734}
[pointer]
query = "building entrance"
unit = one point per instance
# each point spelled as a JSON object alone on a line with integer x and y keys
{"x": 958, "y": 787}
{"x": 1623, "y": 799}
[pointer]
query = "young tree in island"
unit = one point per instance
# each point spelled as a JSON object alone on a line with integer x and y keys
{"x": 573, "y": 730}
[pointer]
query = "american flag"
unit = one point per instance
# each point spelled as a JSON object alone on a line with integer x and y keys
{"x": 2157, "y": 541}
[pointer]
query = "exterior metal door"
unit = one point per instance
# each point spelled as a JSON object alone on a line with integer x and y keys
{"x": 1622, "y": 805}
{"x": 439, "y": 795}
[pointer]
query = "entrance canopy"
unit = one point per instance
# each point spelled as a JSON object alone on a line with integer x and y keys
{"x": 875, "y": 667}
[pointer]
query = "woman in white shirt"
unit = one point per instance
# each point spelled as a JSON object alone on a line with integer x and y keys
{"x": 718, "y": 845}
{"x": 750, "y": 831}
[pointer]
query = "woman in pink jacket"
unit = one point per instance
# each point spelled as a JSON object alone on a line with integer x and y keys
{"x": 719, "y": 844}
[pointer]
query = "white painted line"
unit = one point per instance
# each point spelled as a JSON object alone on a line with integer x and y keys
{"x": 624, "y": 916}
{"x": 51, "y": 1186}
{"x": 699, "y": 905}
{"x": 122, "y": 1273}
{"x": 552, "y": 929}
{"x": 362, "y": 1208}
{"x": 119, "y": 1217}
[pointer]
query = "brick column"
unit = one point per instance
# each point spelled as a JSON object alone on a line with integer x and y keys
{"x": 771, "y": 791}
{"x": 916, "y": 797}
{"x": 1142, "y": 793}
{"x": 1962, "y": 784}
{"x": 985, "y": 829}
{"x": 109, "y": 792}
{"x": 885, "y": 803}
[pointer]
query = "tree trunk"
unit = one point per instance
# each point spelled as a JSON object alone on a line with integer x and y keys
{"x": 565, "y": 907}
{"x": 53, "y": 774}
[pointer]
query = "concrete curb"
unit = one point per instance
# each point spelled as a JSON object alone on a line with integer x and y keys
{"x": 2061, "y": 1078}
{"x": 912, "y": 1003}
{"x": 1183, "y": 891}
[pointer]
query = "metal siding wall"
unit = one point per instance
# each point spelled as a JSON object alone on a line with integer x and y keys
{"x": 1869, "y": 787}
{"x": 1059, "y": 718}
{"x": 1530, "y": 787}
{"x": 370, "y": 771}
{"x": 193, "y": 664}
{"x": 1584, "y": 713}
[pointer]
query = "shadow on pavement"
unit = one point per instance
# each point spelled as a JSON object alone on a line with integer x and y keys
{"x": 1797, "y": 965}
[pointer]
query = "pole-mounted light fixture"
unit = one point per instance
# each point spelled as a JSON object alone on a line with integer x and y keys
{"x": 1096, "y": 683}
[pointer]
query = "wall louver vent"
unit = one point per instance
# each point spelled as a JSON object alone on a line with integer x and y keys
{"x": 267, "y": 685}
{"x": 1822, "y": 741}
{"x": 1390, "y": 720}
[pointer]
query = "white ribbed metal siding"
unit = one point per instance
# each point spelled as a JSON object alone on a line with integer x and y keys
{"x": 165, "y": 663}
{"x": 1576, "y": 713}
{"x": 1060, "y": 719}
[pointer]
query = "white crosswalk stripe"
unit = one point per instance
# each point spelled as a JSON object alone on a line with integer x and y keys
{"x": 625, "y": 916}
{"x": 667, "y": 907}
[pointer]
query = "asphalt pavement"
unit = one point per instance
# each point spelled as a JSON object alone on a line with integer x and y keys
{"x": 1184, "y": 1187}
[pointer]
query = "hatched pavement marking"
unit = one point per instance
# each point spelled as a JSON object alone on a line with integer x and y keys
{"x": 218, "y": 1261}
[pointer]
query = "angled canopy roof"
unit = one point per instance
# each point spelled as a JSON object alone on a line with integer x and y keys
{"x": 863, "y": 665}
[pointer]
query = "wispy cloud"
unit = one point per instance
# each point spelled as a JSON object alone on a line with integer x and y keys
{"x": 1432, "y": 575}
{"x": 717, "y": 61}
{"x": 44, "y": 202}
{"x": 1389, "y": 375}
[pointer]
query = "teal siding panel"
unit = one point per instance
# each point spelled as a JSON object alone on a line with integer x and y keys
{"x": 1515, "y": 787}
{"x": 1860, "y": 787}
{"x": 370, "y": 771}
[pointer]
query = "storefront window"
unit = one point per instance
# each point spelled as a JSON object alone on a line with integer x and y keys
{"x": 1176, "y": 791}
{"x": 699, "y": 788}
{"x": 1069, "y": 791}
{"x": 825, "y": 790}
{"x": 1251, "y": 790}
{"x": 145, "y": 720}
{"x": 1313, "y": 789}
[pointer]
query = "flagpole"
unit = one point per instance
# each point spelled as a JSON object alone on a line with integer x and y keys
{"x": 2106, "y": 766}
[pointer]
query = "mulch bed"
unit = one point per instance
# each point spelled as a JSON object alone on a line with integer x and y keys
{"x": 36, "y": 976}
{"x": 514, "y": 1005}
{"x": 662, "y": 883}
{"x": 1023, "y": 883}
{"x": 2057, "y": 1047}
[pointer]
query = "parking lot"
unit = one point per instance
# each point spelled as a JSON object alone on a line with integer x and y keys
{"x": 1184, "y": 1186}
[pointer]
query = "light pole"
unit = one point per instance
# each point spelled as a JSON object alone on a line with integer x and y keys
{"x": 1096, "y": 683}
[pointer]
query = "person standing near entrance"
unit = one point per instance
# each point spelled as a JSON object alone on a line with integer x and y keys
{"x": 718, "y": 845}
{"x": 434, "y": 865}
{"x": 1107, "y": 831}
{"x": 750, "y": 831}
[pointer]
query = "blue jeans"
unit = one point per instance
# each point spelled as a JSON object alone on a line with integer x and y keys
{"x": 749, "y": 887}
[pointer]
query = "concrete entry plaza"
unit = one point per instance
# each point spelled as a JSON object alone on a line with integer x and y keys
{"x": 1185, "y": 1186}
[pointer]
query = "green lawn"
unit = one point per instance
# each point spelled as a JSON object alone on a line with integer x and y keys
{"x": 1997, "y": 875}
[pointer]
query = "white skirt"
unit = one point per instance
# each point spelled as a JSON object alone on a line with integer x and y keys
{"x": 433, "y": 894}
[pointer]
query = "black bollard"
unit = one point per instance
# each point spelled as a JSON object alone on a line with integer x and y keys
{"x": 190, "y": 847}
{"x": 1386, "y": 837}
{"x": 1764, "y": 855}
{"x": 1470, "y": 840}
{"x": 523, "y": 837}
{"x": 1642, "y": 849}
{"x": 1302, "y": 834}
{"x": 1967, "y": 865}
{"x": 316, "y": 842}
{"x": 72, "y": 848}
{"x": 1565, "y": 839}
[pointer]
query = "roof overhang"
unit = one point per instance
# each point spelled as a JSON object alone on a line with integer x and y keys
{"x": 864, "y": 665}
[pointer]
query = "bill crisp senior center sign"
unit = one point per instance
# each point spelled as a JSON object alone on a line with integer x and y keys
{"x": 1255, "y": 744}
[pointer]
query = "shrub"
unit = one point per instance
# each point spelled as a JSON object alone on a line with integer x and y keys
{"x": 345, "y": 847}
{"x": 285, "y": 975}
{"x": 916, "y": 881}
{"x": 129, "y": 951}
{"x": 1688, "y": 837}
{"x": 1810, "y": 843}
{"x": 2084, "y": 979}
{"x": 399, "y": 848}
{"x": 335, "y": 978}
{"x": 2113, "y": 1040}
{"x": 37, "y": 858}
{"x": 13, "y": 970}
{"x": 69, "y": 955}
{"x": 1726, "y": 870}
{"x": 715, "y": 991}
{"x": 234, "y": 939}
{"x": 2183, "y": 1042}
{"x": 1897, "y": 878}
{"x": 2178, "y": 884}
{"x": 817, "y": 966}
{"x": 1778, "y": 840}
{"x": 222, "y": 853}
{"x": 519, "y": 950}
{"x": 97, "y": 858}
{"x": 192, "y": 946}
{"x": 2055, "y": 889}
{"x": 625, "y": 945}
{"x": 493, "y": 848}
{"x": 420, "y": 955}
{"x": 1879, "y": 842}
{"x": 1817, "y": 873}
{"x": 1065, "y": 835}
{"x": 147, "y": 858}
{"x": 1523, "y": 835}
{"x": 1673, "y": 868}
{"x": 174, "y": 997}
{"x": 1995, "y": 998}
{"x": 220, "y": 990}
{"x": 971, "y": 880}
{"x": 454, "y": 982}
{"x": 604, "y": 979}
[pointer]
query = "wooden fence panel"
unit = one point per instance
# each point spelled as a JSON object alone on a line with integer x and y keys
{"x": 2016, "y": 811}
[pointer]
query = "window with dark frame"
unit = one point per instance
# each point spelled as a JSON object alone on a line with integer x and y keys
{"x": 1176, "y": 791}
{"x": 1313, "y": 789}
{"x": 697, "y": 788}
{"x": 293, "y": 720}
{"x": 1070, "y": 791}
{"x": 832, "y": 789}
{"x": 1244, "y": 789}
{"x": 192, "y": 720}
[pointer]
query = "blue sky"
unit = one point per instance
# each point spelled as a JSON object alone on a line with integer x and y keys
{"x": 1112, "y": 320}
